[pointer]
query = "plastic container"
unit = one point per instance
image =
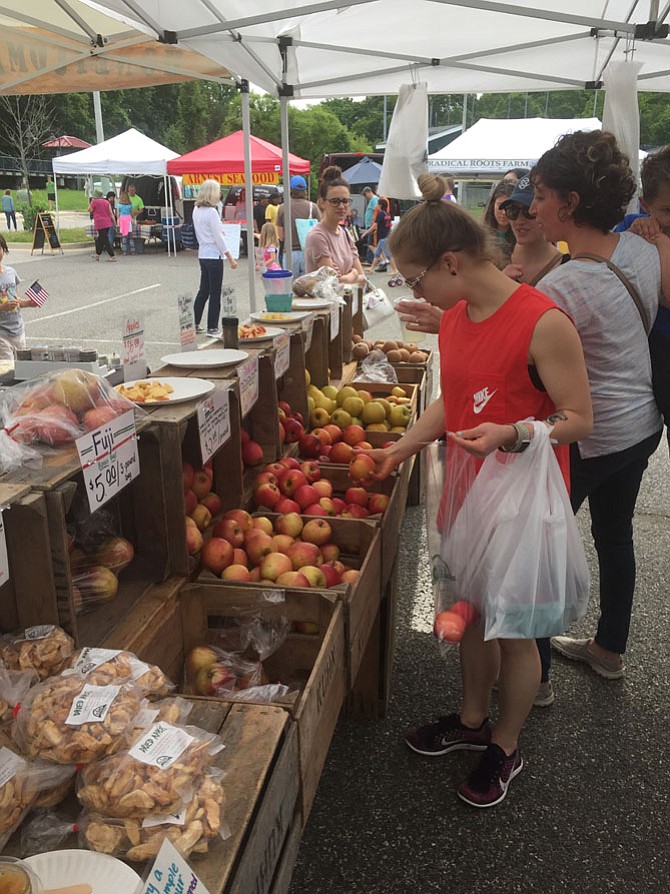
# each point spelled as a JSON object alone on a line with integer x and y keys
{"x": 278, "y": 290}
{"x": 18, "y": 878}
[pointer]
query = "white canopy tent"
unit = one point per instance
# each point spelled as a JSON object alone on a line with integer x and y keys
{"x": 128, "y": 153}
{"x": 493, "y": 146}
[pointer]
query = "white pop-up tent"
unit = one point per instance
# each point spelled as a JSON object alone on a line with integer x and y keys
{"x": 129, "y": 153}
{"x": 493, "y": 146}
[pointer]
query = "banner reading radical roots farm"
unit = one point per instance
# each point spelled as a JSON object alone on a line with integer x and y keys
{"x": 258, "y": 179}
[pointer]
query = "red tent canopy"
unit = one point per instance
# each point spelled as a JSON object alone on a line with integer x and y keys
{"x": 66, "y": 142}
{"x": 226, "y": 156}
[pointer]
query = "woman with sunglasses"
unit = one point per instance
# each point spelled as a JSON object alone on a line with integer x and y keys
{"x": 328, "y": 243}
{"x": 532, "y": 257}
{"x": 497, "y": 223}
{"x": 507, "y": 353}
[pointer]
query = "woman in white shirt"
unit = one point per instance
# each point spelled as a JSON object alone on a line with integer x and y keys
{"x": 211, "y": 251}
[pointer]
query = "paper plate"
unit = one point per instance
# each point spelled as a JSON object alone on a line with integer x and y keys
{"x": 310, "y": 304}
{"x": 270, "y": 332}
{"x": 205, "y": 359}
{"x": 267, "y": 316}
{"x": 105, "y": 874}
{"x": 183, "y": 389}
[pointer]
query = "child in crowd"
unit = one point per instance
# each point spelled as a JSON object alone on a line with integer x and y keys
{"x": 12, "y": 334}
{"x": 125, "y": 210}
{"x": 269, "y": 245}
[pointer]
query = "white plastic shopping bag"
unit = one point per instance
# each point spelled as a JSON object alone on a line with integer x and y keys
{"x": 406, "y": 153}
{"x": 512, "y": 548}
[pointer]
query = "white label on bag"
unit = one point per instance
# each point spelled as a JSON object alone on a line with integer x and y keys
{"x": 146, "y": 717}
{"x": 248, "y": 376}
{"x": 41, "y": 631}
{"x": 283, "y": 354}
{"x": 334, "y": 320}
{"x": 89, "y": 659}
{"x": 137, "y": 668}
{"x": 10, "y": 764}
{"x": 213, "y": 422}
{"x": 168, "y": 819}
{"x": 171, "y": 874}
{"x": 161, "y": 746}
{"x": 4, "y": 560}
{"x": 91, "y": 705}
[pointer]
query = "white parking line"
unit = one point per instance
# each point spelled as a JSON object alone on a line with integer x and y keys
{"x": 77, "y": 310}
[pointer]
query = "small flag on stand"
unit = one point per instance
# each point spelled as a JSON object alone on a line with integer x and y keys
{"x": 37, "y": 294}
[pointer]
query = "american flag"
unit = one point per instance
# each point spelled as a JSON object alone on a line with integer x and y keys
{"x": 37, "y": 294}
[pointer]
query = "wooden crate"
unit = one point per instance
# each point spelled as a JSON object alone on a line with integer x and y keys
{"x": 416, "y": 374}
{"x": 335, "y": 343}
{"x": 347, "y": 326}
{"x": 292, "y": 386}
{"x": 179, "y": 435}
{"x": 281, "y": 881}
{"x": 312, "y": 664}
{"x": 357, "y": 319}
{"x": 28, "y": 597}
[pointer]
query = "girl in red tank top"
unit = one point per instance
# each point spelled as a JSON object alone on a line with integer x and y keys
{"x": 507, "y": 353}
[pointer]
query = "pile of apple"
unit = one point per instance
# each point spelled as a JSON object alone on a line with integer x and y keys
{"x": 212, "y": 672}
{"x": 289, "y": 553}
{"x": 252, "y": 452}
{"x": 291, "y": 423}
{"x": 95, "y": 573}
{"x": 349, "y": 407}
{"x": 291, "y": 486}
{"x": 201, "y": 504}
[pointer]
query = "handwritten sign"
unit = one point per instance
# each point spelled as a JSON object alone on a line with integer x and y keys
{"x": 186, "y": 323}
{"x": 283, "y": 354}
{"x": 109, "y": 459}
{"x": 334, "y": 320}
{"x": 171, "y": 874}
{"x": 308, "y": 329}
{"x": 248, "y": 376}
{"x": 134, "y": 363}
{"x": 214, "y": 422}
{"x": 4, "y": 561}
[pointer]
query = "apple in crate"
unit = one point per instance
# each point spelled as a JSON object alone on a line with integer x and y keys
{"x": 116, "y": 554}
{"x": 353, "y": 510}
{"x": 202, "y": 483}
{"x": 350, "y": 576}
{"x": 302, "y": 553}
{"x": 282, "y": 542}
{"x": 311, "y": 471}
{"x": 290, "y": 524}
{"x": 330, "y": 552}
{"x": 275, "y": 564}
{"x": 317, "y": 532}
{"x": 187, "y": 475}
{"x": 242, "y": 517}
{"x": 197, "y": 658}
{"x": 190, "y": 501}
{"x": 252, "y": 453}
{"x": 213, "y": 502}
{"x": 323, "y": 487}
{"x": 193, "y": 537}
{"x": 239, "y": 573}
{"x": 274, "y": 469}
{"x": 314, "y": 575}
{"x": 306, "y": 495}
{"x": 331, "y": 575}
{"x": 262, "y": 523}
{"x": 310, "y": 446}
{"x": 289, "y": 462}
{"x": 292, "y": 579}
{"x": 341, "y": 453}
{"x": 201, "y": 516}
{"x": 267, "y": 495}
{"x": 216, "y": 554}
{"x": 258, "y": 545}
{"x": 377, "y": 503}
{"x": 357, "y": 495}
{"x": 214, "y": 679}
{"x": 230, "y": 530}
{"x": 286, "y": 505}
{"x": 291, "y": 481}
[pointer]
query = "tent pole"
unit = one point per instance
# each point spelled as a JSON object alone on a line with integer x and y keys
{"x": 97, "y": 111}
{"x": 288, "y": 227}
{"x": 248, "y": 192}
{"x": 56, "y": 196}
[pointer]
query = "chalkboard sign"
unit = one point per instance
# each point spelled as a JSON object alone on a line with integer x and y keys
{"x": 45, "y": 233}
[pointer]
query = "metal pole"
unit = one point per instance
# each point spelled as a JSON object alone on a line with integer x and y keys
{"x": 97, "y": 111}
{"x": 288, "y": 227}
{"x": 464, "y": 122}
{"x": 385, "y": 111}
{"x": 248, "y": 192}
{"x": 56, "y": 195}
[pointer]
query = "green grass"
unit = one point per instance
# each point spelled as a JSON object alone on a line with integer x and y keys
{"x": 68, "y": 199}
{"x": 77, "y": 234}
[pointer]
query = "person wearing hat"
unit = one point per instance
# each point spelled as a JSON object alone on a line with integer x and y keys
{"x": 532, "y": 257}
{"x": 301, "y": 209}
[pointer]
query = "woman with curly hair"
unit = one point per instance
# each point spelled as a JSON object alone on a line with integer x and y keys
{"x": 582, "y": 187}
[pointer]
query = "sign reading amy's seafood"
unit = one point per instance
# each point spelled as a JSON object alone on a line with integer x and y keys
{"x": 109, "y": 458}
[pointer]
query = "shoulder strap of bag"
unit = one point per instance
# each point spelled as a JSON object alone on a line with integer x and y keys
{"x": 632, "y": 291}
{"x": 546, "y": 269}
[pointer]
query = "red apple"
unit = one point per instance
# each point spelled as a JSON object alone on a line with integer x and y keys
{"x": 285, "y": 407}
{"x": 350, "y": 576}
{"x": 187, "y": 475}
{"x": 304, "y": 554}
{"x": 292, "y": 579}
{"x": 327, "y": 504}
{"x": 289, "y": 462}
{"x": 353, "y": 510}
{"x": 282, "y": 542}
{"x": 290, "y": 481}
{"x": 353, "y": 434}
{"x": 294, "y": 431}
{"x": 330, "y": 552}
{"x": 323, "y": 487}
{"x": 305, "y": 495}
{"x": 364, "y": 445}
{"x": 274, "y": 469}
{"x": 258, "y": 545}
{"x": 190, "y": 501}
{"x": 193, "y": 539}
{"x": 323, "y": 436}
{"x": 311, "y": 471}
{"x": 262, "y": 523}
{"x": 201, "y": 516}
{"x": 202, "y": 483}
{"x": 214, "y": 679}
{"x": 230, "y": 530}
{"x": 216, "y": 554}
{"x": 340, "y": 567}
{"x": 244, "y": 436}
{"x": 281, "y": 414}
{"x": 282, "y": 434}
{"x": 314, "y": 575}
{"x": 213, "y": 502}
{"x": 265, "y": 478}
{"x": 315, "y": 509}
{"x": 361, "y": 468}
{"x": 356, "y": 495}
{"x": 290, "y": 524}
{"x": 267, "y": 495}
{"x": 330, "y": 574}
{"x": 334, "y": 431}
{"x": 449, "y": 627}
{"x": 467, "y": 611}
{"x": 317, "y": 531}
{"x": 310, "y": 446}
{"x": 341, "y": 453}
{"x": 339, "y": 505}
{"x": 324, "y": 456}
{"x": 386, "y": 444}
{"x": 197, "y": 658}
{"x": 237, "y": 572}
{"x": 252, "y": 453}
{"x": 255, "y": 575}
{"x": 285, "y": 506}
{"x": 275, "y": 564}
{"x": 242, "y": 517}
{"x": 377, "y": 503}
{"x": 298, "y": 416}
{"x": 240, "y": 557}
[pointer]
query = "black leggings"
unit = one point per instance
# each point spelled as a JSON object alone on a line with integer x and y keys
{"x": 102, "y": 241}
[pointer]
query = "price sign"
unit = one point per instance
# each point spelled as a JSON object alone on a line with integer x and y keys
{"x": 308, "y": 329}
{"x": 171, "y": 874}
{"x": 248, "y": 376}
{"x": 214, "y": 422}
{"x": 109, "y": 459}
{"x": 334, "y": 320}
{"x": 283, "y": 355}
{"x": 186, "y": 323}
{"x": 134, "y": 364}
{"x": 4, "y": 561}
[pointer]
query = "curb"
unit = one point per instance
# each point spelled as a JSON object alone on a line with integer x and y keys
{"x": 27, "y": 246}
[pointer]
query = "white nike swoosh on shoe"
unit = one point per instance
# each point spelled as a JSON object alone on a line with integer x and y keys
{"x": 478, "y": 407}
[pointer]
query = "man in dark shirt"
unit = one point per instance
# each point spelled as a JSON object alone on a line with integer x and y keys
{"x": 259, "y": 214}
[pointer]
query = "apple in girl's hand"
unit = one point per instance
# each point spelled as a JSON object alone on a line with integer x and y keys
{"x": 361, "y": 468}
